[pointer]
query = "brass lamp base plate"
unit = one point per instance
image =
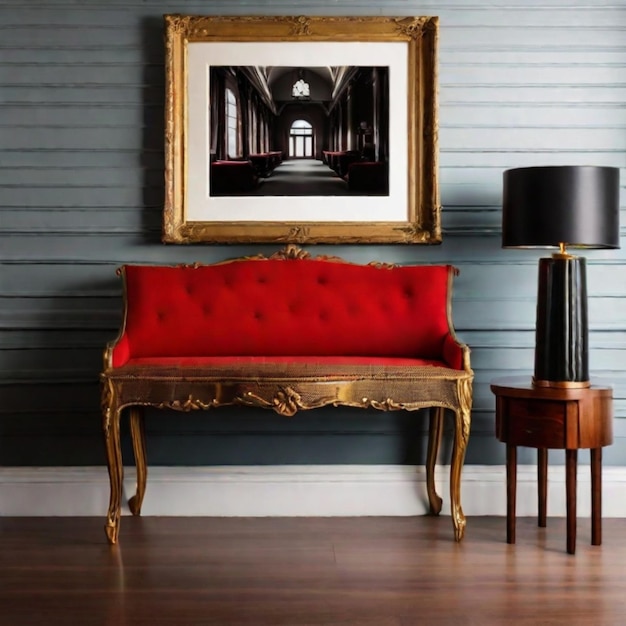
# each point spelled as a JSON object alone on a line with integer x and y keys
{"x": 562, "y": 384}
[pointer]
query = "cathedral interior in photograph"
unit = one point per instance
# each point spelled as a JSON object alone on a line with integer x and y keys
{"x": 299, "y": 131}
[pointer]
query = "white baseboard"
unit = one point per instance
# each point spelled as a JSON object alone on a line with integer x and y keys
{"x": 296, "y": 490}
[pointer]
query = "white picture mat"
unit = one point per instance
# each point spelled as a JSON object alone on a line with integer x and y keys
{"x": 201, "y": 207}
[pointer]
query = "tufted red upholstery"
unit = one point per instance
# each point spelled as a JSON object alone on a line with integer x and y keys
{"x": 298, "y": 307}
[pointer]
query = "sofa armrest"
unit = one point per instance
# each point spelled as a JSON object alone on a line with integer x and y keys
{"x": 455, "y": 353}
{"x": 117, "y": 352}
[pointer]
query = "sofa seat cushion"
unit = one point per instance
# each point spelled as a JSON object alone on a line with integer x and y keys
{"x": 286, "y": 384}
{"x": 287, "y": 366}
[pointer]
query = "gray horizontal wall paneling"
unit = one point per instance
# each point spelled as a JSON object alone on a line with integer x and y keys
{"x": 81, "y": 184}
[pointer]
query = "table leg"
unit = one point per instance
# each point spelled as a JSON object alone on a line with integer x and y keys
{"x": 596, "y": 496}
{"x": 542, "y": 484}
{"x": 571, "y": 458}
{"x": 511, "y": 485}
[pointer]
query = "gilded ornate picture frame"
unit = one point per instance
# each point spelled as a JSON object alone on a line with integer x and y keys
{"x": 251, "y": 101}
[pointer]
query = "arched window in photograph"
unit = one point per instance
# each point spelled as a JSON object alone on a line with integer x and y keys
{"x": 301, "y": 140}
{"x": 232, "y": 124}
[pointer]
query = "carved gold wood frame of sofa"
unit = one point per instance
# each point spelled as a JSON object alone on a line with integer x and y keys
{"x": 187, "y": 151}
{"x": 435, "y": 388}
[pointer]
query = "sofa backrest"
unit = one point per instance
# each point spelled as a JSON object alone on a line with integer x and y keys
{"x": 285, "y": 307}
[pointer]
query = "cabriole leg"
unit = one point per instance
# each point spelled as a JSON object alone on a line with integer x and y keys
{"x": 434, "y": 441}
{"x": 462, "y": 418}
{"x": 138, "y": 435}
{"x": 111, "y": 426}
{"x": 458, "y": 456}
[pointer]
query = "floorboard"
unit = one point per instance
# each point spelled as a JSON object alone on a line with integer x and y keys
{"x": 390, "y": 571}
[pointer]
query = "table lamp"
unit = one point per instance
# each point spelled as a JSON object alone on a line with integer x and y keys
{"x": 562, "y": 207}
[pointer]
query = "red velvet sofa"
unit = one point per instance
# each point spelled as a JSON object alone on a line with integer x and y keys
{"x": 288, "y": 332}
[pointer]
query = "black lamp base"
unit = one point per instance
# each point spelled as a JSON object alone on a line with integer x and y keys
{"x": 561, "y": 342}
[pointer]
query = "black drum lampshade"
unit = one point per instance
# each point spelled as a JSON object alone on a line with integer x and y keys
{"x": 565, "y": 207}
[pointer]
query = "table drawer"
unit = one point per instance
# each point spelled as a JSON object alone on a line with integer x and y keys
{"x": 538, "y": 424}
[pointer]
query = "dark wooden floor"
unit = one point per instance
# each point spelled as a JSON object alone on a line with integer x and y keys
{"x": 305, "y": 572}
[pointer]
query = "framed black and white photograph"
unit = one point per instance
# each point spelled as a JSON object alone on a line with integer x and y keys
{"x": 301, "y": 129}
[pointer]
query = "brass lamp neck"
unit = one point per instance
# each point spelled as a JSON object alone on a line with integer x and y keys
{"x": 563, "y": 253}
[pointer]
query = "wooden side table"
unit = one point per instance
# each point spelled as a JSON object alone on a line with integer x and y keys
{"x": 564, "y": 418}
